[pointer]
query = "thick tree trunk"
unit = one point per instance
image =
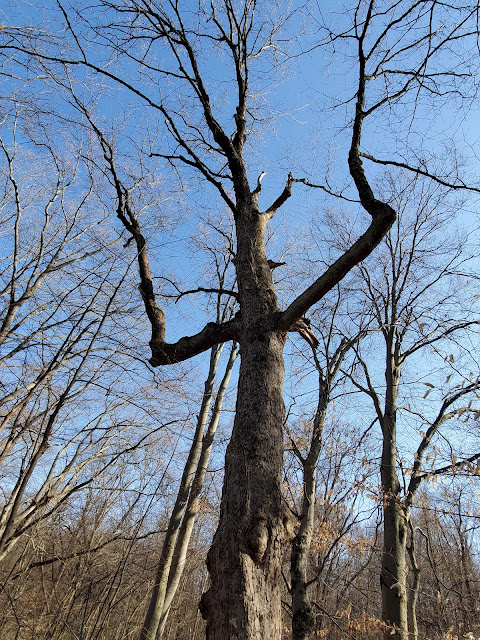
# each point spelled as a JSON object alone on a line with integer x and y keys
{"x": 245, "y": 559}
{"x": 244, "y": 600}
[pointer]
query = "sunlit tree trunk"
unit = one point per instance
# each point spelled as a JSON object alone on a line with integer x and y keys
{"x": 249, "y": 542}
{"x": 157, "y": 600}
{"x": 193, "y": 506}
{"x": 303, "y": 620}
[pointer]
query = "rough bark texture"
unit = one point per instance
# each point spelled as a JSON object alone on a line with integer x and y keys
{"x": 244, "y": 600}
{"x": 249, "y": 543}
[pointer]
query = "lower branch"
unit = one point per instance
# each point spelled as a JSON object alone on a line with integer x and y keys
{"x": 187, "y": 347}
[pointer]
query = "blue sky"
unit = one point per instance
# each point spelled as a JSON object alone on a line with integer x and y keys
{"x": 299, "y": 130}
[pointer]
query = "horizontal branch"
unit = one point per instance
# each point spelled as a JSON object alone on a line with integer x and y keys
{"x": 327, "y": 190}
{"x": 83, "y": 552}
{"x": 226, "y": 292}
{"x": 450, "y": 468}
{"x": 187, "y": 347}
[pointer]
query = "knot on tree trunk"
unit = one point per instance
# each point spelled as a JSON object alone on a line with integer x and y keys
{"x": 257, "y": 538}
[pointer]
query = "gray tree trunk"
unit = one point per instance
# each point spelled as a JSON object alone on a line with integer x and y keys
{"x": 157, "y": 600}
{"x": 303, "y": 620}
{"x": 393, "y": 574}
{"x": 249, "y": 542}
{"x": 413, "y": 590}
{"x": 188, "y": 522}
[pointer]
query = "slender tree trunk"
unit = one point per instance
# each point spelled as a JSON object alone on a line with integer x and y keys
{"x": 303, "y": 619}
{"x": 157, "y": 600}
{"x": 393, "y": 575}
{"x": 188, "y": 522}
{"x": 394, "y": 570}
{"x": 413, "y": 591}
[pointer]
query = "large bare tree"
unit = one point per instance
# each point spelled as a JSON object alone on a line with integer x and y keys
{"x": 161, "y": 54}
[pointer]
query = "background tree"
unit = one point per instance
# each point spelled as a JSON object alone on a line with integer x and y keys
{"x": 412, "y": 301}
{"x": 74, "y": 403}
{"x": 447, "y": 556}
{"x": 308, "y": 443}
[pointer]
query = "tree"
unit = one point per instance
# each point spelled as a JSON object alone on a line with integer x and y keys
{"x": 414, "y": 307}
{"x": 187, "y": 503}
{"x": 206, "y": 134}
{"x": 64, "y": 420}
{"x": 46, "y": 343}
{"x": 445, "y": 527}
{"x": 307, "y": 446}
{"x": 83, "y": 570}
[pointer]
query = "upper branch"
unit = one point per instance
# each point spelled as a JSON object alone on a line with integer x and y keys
{"x": 460, "y": 184}
{"x": 383, "y": 215}
{"x": 282, "y": 198}
{"x": 162, "y": 352}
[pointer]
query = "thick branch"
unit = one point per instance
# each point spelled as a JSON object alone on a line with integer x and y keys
{"x": 334, "y": 274}
{"x": 162, "y": 352}
{"x": 189, "y": 346}
{"x": 282, "y": 198}
{"x": 383, "y": 216}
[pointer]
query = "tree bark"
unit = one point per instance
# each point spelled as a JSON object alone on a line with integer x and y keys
{"x": 303, "y": 619}
{"x": 249, "y": 542}
{"x": 393, "y": 574}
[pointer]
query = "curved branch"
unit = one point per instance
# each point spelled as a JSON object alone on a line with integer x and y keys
{"x": 334, "y": 274}
{"x": 383, "y": 215}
